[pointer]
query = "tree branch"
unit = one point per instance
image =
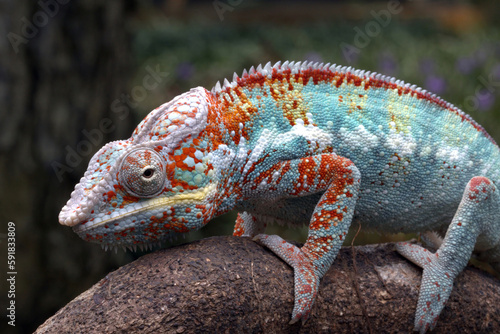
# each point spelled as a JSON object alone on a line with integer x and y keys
{"x": 230, "y": 284}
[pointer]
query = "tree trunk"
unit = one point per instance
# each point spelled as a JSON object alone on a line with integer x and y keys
{"x": 62, "y": 64}
{"x": 234, "y": 285}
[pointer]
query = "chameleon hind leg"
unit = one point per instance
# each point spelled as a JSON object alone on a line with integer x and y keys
{"x": 475, "y": 224}
{"x": 338, "y": 179}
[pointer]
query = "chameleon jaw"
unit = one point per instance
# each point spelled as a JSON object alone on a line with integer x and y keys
{"x": 147, "y": 208}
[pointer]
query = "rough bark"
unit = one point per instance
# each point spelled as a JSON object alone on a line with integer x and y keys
{"x": 229, "y": 284}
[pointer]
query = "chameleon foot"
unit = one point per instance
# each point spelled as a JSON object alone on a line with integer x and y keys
{"x": 305, "y": 277}
{"x": 437, "y": 283}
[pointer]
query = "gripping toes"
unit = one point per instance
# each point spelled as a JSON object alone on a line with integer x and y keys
{"x": 436, "y": 286}
{"x": 305, "y": 278}
{"x": 434, "y": 292}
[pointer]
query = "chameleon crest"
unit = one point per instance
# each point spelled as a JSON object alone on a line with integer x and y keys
{"x": 304, "y": 143}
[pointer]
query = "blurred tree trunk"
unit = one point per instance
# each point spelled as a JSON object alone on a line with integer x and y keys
{"x": 63, "y": 65}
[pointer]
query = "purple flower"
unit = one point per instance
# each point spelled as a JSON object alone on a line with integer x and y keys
{"x": 435, "y": 84}
{"x": 465, "y": 65}
{"x": 427, "y": 66}
{"x": 485, "y": 100}
{"x": 184, "y": 70}
{"x": 481, "y": 55}
{"x": 387, "y": 64}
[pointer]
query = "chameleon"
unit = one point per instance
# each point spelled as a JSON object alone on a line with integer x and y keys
{"x": 303, "y": 143}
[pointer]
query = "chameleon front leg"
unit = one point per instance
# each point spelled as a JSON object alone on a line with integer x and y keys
{"x": 338, "y": 179}
{"x": 476, "y": 219}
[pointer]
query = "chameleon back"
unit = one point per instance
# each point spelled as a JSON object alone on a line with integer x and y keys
{"x": 401, "y": 137}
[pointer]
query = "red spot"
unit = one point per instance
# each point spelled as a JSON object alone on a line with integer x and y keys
{"x": 475, "y": 182}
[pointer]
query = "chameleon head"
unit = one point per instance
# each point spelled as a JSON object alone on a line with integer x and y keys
{"x": 152, "y": 186}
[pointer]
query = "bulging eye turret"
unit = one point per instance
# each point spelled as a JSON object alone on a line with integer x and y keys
{"x": 142, "y": 173}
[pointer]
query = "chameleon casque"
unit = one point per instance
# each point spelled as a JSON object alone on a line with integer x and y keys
{"x": 303, "y": 143}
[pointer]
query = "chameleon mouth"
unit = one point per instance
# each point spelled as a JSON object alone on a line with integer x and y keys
{"x": 145, "y": 209}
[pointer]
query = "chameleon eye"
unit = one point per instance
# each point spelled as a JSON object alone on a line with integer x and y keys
{"x": 142, "y": 173}
{"x": 148, "y": 173}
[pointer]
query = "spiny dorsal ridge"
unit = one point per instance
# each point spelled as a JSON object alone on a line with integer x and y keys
{"x": 297, "y": 67}
{"x": 269, "y": 67}
{"x": 217, "y": 87}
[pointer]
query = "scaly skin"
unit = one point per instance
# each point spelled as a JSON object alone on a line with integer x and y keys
{"x": 302, "y": 143}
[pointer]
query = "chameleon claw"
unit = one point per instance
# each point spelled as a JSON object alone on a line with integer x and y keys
{"x": 298, "y": 318}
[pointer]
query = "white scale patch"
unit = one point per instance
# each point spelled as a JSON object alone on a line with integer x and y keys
{"x": 222, "y": 157}
{"x": 452, "y": 154}
{"x": 257, "y": 151}
{"x": 425, "y": 151}
{"x": 401, "y": 143}
{"x": 360, "y": 137}
{"x": 317, "y": 137}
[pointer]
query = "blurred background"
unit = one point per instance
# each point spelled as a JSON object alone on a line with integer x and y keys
{"x": 77, "y": 74}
